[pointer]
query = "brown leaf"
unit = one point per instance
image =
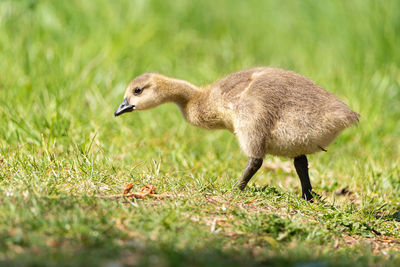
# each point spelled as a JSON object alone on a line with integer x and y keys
{"x": 128, "y": 187}
{"x": 148, "y": 189}
{"x": 52, "y": 243}
{"x": 251, "y": 200}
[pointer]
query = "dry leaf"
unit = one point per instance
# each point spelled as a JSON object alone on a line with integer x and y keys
{"x": 52, "y": 243}
{"x": 148, "y": 189}
{"x": 127, "y": 188}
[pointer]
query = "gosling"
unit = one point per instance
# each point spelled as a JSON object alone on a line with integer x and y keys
{"x": 270, "y": 111}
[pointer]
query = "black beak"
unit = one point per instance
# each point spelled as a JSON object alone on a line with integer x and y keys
{"x": 124, "y": 107}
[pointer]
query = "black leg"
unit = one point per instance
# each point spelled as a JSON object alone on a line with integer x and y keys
{"x": 301, "y": 165}
{"x": 251, "y": 168}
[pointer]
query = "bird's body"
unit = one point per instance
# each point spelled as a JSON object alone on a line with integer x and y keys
{"x": 279, "y": 112}
{"x": 270, "y": 110}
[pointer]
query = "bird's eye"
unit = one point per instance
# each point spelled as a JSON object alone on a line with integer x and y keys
{"x": 137, "y": 91}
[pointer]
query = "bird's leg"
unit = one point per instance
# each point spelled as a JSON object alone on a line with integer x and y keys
{"x": 251, "y": 168}
{"x": 301, "y": 165}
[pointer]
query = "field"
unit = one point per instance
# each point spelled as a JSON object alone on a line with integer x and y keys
{"x": 64, "y": 68}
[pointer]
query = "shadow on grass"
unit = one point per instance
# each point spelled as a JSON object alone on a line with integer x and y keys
{"x": 266, "y": 189}
{"x": 136, "y": 254}
{"x": 111, "y": 246}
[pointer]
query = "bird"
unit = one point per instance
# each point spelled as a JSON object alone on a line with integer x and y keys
{"x": 271, "y": 111}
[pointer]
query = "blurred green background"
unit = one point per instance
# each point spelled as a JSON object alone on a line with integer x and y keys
{"x": 65, "y": 64}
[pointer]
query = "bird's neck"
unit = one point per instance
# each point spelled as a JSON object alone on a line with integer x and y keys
{"x": 195, "y": 104}
{"x": 189, "y": 98}
{"x": 180, "y": 92}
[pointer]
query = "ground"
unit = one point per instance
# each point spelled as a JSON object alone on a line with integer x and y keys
{"x": 64, "y": 67}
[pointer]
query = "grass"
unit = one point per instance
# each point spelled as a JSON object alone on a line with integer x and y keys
{"x": 64, "y": 66}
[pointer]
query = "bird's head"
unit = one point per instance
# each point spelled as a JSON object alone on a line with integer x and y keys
{"x": 142, "y": 93}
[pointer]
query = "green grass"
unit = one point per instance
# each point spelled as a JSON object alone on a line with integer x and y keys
{"x": 64, "y": 66}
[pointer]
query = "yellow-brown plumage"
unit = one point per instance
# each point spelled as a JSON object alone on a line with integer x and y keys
{"x": 270, "y": 110}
